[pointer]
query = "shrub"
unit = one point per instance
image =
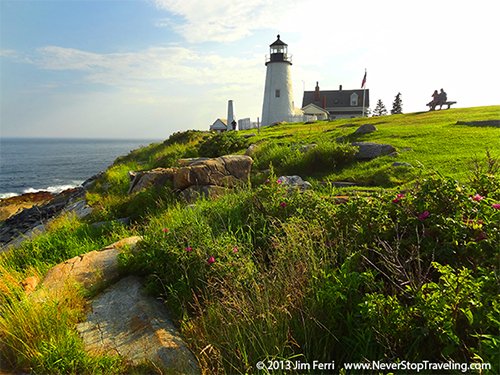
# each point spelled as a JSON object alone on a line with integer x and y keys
{"x": 222, "y": 144}
{"x": 185, "y": 137}
{"x": 289, "y": 159}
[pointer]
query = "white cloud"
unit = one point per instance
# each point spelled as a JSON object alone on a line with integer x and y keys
{"x": 176, "y": 64}
{"x": 223, "y": 20}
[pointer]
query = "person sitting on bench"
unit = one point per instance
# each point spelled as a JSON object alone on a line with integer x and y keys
{"x": 442, "y": 98}
{"x": 435, "y": 100}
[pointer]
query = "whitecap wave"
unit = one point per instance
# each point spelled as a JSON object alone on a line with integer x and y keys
{"x": 53, "y": 189}
{"x": 8, "y": 195}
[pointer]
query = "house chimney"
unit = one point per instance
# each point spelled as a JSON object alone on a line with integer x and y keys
{"x": 340, "y": 88}
{"x": 316, "y": 92}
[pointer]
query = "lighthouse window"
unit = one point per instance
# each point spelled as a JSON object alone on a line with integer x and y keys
{"x": 277, "y": 94}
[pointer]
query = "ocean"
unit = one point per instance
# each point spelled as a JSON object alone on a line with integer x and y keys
{"x": 29, "y": 165}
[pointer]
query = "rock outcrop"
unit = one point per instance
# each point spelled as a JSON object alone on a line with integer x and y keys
{"x": 370, "y": 150}
{"x": 13, "y": 205}
{"x": 198, "y": 176}
{"x": 92, "y": 269}
{"x": 32, "y": 220}
{"x": 125, "y": 321}
{"x": 155, "y": 177}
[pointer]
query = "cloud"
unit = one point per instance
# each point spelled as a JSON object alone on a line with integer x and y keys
{"x": 222, "y": 20}
{"x": 174, "y": 64}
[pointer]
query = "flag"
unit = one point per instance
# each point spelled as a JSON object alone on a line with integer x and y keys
{"x": 364, "y": 80}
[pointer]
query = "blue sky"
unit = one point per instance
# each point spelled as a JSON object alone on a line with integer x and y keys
{"x": 145, "y": 69}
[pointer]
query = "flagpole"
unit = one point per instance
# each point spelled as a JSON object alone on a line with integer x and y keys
{"x": 364, "y": 90}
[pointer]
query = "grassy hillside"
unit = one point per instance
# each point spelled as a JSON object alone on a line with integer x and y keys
{"x": 404, "y": 267}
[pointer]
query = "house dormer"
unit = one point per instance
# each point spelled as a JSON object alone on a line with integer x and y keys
{"x": 354, "y": 99}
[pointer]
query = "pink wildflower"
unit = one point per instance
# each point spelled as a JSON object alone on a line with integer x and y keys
{"x": 165, "y": 230}
{"x": 188, "y": 249}
{"x": 424, "y": 215}
{"x": 211, "y": 260}
{"x": 279, "y": 181}
{"x": 283, "y": 204}
{"x": 398, "y": 198}
{"x": 235, "y": 249}
{"x": 477, "y": 198}
{"x": 496, "y": 206}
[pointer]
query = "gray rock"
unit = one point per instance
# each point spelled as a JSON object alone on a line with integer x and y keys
{"x": 127, "y": 322}
{"x": 305, "y": 148}
{"x": 80, "y": 208}
{"x": 401, "y": 164}
{"x": 370, "y": 150}
{"x": 249, "y": 135}
{"x": 365, "y": 129}
{"x": 154, "y": 177}
{"x": 492, "y": 123}
{"x": 294, "y": 182}
{"x": 251, "y": 149}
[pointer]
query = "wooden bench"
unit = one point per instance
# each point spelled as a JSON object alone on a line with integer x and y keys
{"x": 433, "y": 107}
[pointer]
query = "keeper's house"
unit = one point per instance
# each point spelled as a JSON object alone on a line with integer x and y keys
{"x": 335, "y": 104}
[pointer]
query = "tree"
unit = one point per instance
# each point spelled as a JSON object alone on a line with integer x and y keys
{"x": 397, "y": 105}
{"x": 380, "y": 109}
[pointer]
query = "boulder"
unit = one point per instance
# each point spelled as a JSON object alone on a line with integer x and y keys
{"x": 294, "y": 182}
{"x": 228, "y": 171}
{"x": 125, "y": 321}
{"x": 154, "y": 177}
{"x": 251, "y": 149}
{"x": 190, "y": 161}
{"x": 193, "y": 193}
{"x": 370, "y": 150}
{"x": 92, "y": 269}
{"x": 365, "y": 129}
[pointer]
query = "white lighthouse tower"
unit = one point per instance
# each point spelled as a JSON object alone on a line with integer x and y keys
{"x": 278, "y": 94}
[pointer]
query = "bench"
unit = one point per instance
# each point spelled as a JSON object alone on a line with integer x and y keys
{"x": 432, "y": 106}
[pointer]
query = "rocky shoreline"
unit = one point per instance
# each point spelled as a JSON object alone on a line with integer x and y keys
{"x": 23, "y": 215}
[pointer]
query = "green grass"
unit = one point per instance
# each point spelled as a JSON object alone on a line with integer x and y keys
{"x": 428, "y": 139}
{"x": 296, "y": 276}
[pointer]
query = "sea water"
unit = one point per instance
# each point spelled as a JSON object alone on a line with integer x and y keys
{"x": 31, "y": 165}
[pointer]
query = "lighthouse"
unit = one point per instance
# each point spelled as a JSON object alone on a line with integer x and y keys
{"x": 278, "y": 94}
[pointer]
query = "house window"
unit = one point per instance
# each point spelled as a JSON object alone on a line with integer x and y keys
{"x": 354, "y": 100}
{"x": 277, "y": 93}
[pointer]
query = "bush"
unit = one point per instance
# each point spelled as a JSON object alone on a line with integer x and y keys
{"x": 222, "y": 144}
{"x": 185, "y": 137}
{"x": 290, "y": 160}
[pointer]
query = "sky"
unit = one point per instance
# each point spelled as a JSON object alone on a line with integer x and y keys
{"x": 143, "y": 69}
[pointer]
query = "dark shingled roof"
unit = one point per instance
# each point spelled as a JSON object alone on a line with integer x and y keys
{"x": 335, "y": 98}
{"x": 278, "y": 42}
